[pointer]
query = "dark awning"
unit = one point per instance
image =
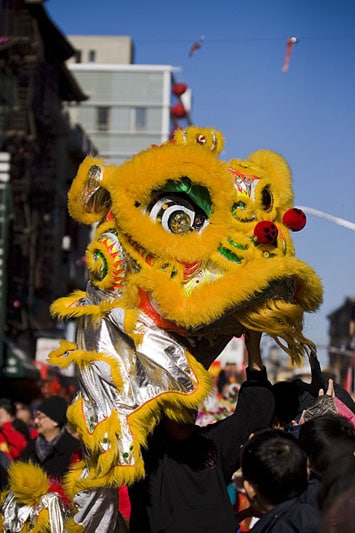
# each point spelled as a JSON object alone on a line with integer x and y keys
{"x": 17, "y": 364}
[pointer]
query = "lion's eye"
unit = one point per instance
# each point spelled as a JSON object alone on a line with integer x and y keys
{"x": 266, "y": 199}
{"x": 176, "y": 214}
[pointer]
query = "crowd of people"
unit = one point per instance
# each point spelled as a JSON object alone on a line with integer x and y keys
{"x": 286, "y": 449}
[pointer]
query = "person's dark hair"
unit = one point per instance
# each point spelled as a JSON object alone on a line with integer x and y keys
{"x": 8, "y": 405}
{"x": 25, "y": 407}
{"x": 287, "y": 403}
{"x": 21, "y": 427}
{"x": 338, "y": 478}
{"x": 276, "y": 465}
{"x": 323, "y": 437}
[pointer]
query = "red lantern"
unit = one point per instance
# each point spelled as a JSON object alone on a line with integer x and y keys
{"x": 179, "y": 88}
{"x": 294, "y": 219}
{"x": 178, "y": 111}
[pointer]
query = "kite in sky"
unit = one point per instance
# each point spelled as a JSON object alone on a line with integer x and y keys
{"x": 289, "y": 45}
{"x": 196, "y": 45}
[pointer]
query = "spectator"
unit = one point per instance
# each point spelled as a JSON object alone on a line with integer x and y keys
{"x": 328, "y": 403}
{"x": 12, "y": 441}
{"x": 4, "y": 465}
{"x": 21, "y": 427}
{"x": 322, "y": 435}
{"x": 24, "y": 412}
{"x": 338, "y": 477}
{"x": 296, "y": 401}
{"x": 337, "y": 495}
{"x": 54, "y": 447}
{"x": 275, "y": 479}
{"x": 188, "y": 467}
{"x": 228, "y": 381}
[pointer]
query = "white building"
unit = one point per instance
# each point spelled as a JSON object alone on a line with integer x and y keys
{"x": 128, "y": 108}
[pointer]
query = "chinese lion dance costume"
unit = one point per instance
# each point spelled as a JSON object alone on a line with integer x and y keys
{"x": 188, "y": 250}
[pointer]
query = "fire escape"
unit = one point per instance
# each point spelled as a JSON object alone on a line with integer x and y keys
{"x": 35, "y": 133}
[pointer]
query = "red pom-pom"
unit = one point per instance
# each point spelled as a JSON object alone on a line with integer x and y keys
{"x": 294, "y": 219}
{"x": 266, "y": 232}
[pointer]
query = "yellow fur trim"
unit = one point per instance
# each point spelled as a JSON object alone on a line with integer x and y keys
{"x": 70, "y": 478}
{"x": 42, "y": 523}
{"x": 72, "y": 527}
{"x": 70, "y": 307}
{"x": 62, "y": 357}
{"x": 28, "y": 482}
{"x": 282, "y": 321}
{"x": 227, "y": 292}
{"x": 68, "y": 353}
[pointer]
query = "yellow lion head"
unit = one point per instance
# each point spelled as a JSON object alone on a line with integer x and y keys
{"x": 198, "y": 243}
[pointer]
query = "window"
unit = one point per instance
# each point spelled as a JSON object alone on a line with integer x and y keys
{"x": 92, "y": 56}
{"x": 77, "y": 56}
{"x": 103, "y": 118}
{"x": 140, "y": 122}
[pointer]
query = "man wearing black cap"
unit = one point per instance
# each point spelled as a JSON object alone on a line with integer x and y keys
{"x": 54, "y": 447}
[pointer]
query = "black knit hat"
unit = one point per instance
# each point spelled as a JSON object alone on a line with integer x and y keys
{"x": 55, "y": 407}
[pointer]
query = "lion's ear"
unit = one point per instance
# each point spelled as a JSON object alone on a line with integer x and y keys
{"x": 88, "y": 199}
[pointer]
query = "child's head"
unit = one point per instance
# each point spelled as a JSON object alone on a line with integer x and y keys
{"x": 274, "y": 468}
{"x": 323, "y": 437}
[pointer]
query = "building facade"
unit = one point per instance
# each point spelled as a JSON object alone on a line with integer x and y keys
{"x": 41, "y": 149}
{"x": 129, "y": 106}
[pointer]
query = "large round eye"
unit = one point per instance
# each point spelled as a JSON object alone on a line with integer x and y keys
{"x": 176, "y": 214}
{"x": 266, "y": 199}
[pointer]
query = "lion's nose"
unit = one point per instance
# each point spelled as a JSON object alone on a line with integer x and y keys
{"x": 266, "y": 232}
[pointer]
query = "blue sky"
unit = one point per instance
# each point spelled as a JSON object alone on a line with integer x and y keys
{"x": 307, "y": 113}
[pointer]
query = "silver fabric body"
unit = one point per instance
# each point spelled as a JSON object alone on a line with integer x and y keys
{"x": 16, "y": 515}
{"x": 98, "y": 511}
{"x": 155, "y": 366}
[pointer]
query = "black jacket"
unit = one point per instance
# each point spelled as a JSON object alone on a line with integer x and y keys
{"x": 185, "y": 488}
{"x": 58, "y": 462}
{"x": 297, "y": 515}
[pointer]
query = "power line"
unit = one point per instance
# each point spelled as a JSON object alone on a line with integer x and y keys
{"x": 247, "y": 39}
